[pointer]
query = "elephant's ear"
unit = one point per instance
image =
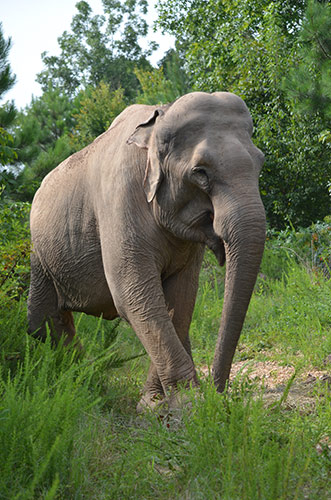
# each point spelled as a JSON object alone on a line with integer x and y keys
{"x": 153, "y": 176}
{"x": 143, "y": 131}
{"x": 141, "y": 137}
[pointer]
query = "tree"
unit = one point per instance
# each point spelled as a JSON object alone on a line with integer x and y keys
{"x": 174, "y": 69}
{"x": 247, "y": 47}
{"x": 42, "y": 137}
{"x": 84, "y": 88}
{"x": 49, "y": 117}
{"x": 98, "y": 108}
{"x": 100, "y": 48}
{"x": 156, "y": 88}
{"x": 214, "y": 35}
{"x": 309, "y": 83}
{"x": 7, "y": 111}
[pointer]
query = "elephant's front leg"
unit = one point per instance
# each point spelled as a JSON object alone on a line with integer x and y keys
{"x": 153, "y": 393}
{"x": 180, "y": 292}
{"x": 140, "y": 298}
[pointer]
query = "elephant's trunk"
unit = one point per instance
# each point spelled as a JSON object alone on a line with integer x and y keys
{"x": 243, "y": 233}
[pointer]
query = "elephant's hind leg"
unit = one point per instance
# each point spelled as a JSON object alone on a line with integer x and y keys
{"x": 42, "y": 300}
{"x": 62, "y": 323}
{"x": 43, "y": 307}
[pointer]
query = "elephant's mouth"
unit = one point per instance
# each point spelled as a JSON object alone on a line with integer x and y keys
{"x": 212, "y": 240}
{"x": 217, "y": 247}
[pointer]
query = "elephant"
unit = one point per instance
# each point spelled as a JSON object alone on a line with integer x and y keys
{"x": 119, "y": 229}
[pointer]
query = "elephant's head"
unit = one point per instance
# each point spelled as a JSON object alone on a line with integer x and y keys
{"x": 202, "y": 178}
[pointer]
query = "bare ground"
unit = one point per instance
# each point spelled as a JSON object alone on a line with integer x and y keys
{"x": 275, "y": 378}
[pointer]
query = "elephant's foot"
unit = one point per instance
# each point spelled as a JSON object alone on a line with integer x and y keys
{"x": 168, "y": 409}
{"x": 150, "y": 402}
{"x": 163, "y": 405}
{"x": 170, "y": 405}
{"x": 178, "y": 400}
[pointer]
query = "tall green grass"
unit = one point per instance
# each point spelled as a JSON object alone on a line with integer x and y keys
{"x": 69, "y": 429}
{"x": 226, "y": 447}
{"x": 50, "y": 398}
{"x": 291, "y": 315}
{"x": 42, "y": 411}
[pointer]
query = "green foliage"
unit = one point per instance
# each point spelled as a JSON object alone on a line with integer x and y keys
{"x": 247, "y": 452}
{"x": 14, "y": 219}
{"x": 15, "y": 271}
{"x": 174, "y": 69}
{"x": 155, "y": 88}
{"x": 164, "y": 84}
{"x": 42, "y": 123}
{"x": 247, "y": 47}
{"x": 310, "y": 81}
{"x": 99, "y": 48}
{"x": 7, "y": 111}
{"x": 99, "y": 106}
{"x": 31, "y": 177}
{"x": 219, "y": 38}
{"x": 48, "y": 395}
{"x": 7, "y": 79}
{"x": 226, "y": 447}
{"x": 46, "y": 119}
{"x": 294, "y": 181}
{"x": 207, "y": 312}
{"x": 7, "y": 153}
{"x": 42, "y": 138}
{"x": 311, "y": 247}
{"x": 41, "y": 408}
{"x": 14, "y": 251}
{"x": 289, "y": 308}
{"x": 85, "y": 87}
{"x": 292, "y": 315}
{"x": 68, "y": 423}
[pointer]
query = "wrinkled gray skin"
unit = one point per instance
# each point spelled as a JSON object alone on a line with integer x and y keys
{"x": 119, "y": 229}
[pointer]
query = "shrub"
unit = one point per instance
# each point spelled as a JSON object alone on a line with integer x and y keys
{"x": 14, "y": 250}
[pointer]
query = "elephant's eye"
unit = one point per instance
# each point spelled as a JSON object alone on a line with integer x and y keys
{"x": 200, "y": 178}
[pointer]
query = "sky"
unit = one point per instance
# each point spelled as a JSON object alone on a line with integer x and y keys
{"x": 34, "y": 26}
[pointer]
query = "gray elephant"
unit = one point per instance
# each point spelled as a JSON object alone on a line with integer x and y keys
{"x": 119, "y": 229}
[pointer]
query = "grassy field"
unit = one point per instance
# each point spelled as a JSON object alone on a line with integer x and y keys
{"x": 68, "y": 425}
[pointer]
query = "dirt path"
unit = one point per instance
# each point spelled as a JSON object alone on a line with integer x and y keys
{"x": 275, "y": 378}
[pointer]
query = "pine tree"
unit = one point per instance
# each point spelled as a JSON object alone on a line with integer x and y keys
{"x": 310, "y": 82}
{"x": 42, "y": 138}
{"x": 7, "y": 111}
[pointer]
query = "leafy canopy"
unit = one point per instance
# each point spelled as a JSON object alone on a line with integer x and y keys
{"x": 99, "y": 106}
{"x": 309, "y": 83}
{"x": 248, "y": 47}
{"x": 99, "y": 48}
